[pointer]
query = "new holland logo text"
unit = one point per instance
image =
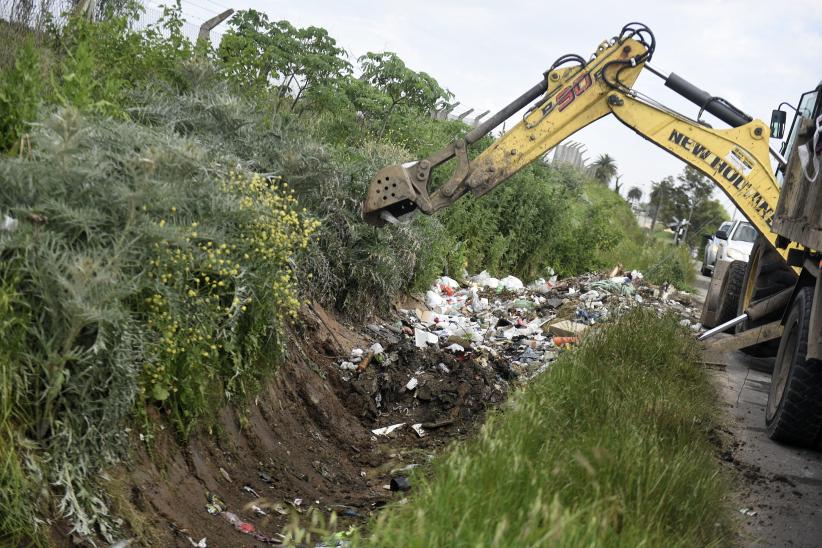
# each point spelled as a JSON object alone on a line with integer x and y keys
{"x": 733, "y": 174}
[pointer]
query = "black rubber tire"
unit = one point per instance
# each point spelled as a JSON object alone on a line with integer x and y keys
{"x": 794, "y": 411}
{"x": 730, "y": 293}
{"x": 772, "y": 276}
{"x": 705, "y": 271}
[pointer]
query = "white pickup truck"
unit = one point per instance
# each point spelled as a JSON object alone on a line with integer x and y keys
{"x": 732, "y": 242}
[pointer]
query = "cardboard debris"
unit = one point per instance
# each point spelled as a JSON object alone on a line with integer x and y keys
{"x": 567, "y": 328}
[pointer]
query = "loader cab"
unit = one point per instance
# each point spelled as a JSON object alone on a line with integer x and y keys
{"x": 809, "y": 107}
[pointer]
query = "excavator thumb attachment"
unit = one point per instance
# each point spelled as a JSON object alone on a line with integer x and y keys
{"x": 391, "y": 195}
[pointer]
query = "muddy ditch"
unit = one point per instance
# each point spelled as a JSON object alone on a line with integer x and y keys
{"x": 304, "y": 444}
{"x": 311, "y": 441}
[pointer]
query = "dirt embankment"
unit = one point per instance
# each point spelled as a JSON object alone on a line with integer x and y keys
{"x": 305, "y": 442}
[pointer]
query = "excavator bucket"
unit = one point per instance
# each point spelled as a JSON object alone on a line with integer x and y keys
{"x": 391, "y": 195}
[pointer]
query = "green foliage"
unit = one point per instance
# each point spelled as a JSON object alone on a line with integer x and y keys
{"x": 403, "y": 87}
{"x": 98, "y": 64}
{"x": 548, "y": 218}
{"x": 659, "y": 261}
{"x": 542, "y": 218}
{"x": 303, "y": 62}
{"x": 609, "y": 448}
{"x": 605, "y": 168}
{"x": 706, "y": 220}
{"x": 18, "y": 487}
{"x": 21, "y": 91}
{"x": 151, "y": 277}
{"x": 82, "y": 87}
{"x": 355, "y": 267}
{"x": 688, "y": 198}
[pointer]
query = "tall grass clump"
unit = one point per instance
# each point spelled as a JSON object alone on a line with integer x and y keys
{"x": 17, "y": 489}
{"x": 609, "y": 448}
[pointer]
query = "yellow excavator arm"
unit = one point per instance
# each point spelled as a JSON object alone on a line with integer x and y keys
{"x": 568, "y": 99}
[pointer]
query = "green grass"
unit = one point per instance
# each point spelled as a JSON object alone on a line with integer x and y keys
{"x": 663, "y": 235}
{"x": 609, "y": 448}
{"x": 16, "y": 489}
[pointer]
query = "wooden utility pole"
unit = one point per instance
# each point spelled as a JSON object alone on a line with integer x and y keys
{"x": 660, "y": 200}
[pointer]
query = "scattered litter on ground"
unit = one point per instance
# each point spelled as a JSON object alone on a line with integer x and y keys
{"x": 568, "y": 328}
{"x": 215, "y": 504}
{"x": 217, "y": 507}
{"x": 399, "y": 483}
{"x": 387, "y": 430}
{"x": 248, "y": 489}
{"x": 747, "y": 512}
{"x": 427, "y": 376}
{"x": 225, "y": 474}
{"x": 520, "y": 328}
{"x": 561, "y": 342}
{"x": 9, "y": 224}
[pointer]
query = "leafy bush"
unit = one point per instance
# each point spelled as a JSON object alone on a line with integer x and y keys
{"x": 540, "y": 219}
{"x": 151, "y": 276}
{"x": 358, "y": 268}
{"x": 353, "y": 267}
{"x": 21, "y": 91}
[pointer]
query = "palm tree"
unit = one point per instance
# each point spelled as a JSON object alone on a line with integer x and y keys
{"x": 604, "y": 168}
{"x": 635, "y": 194}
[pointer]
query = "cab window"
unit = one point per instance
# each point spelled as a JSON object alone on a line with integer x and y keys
{"x": 807, "y": 107}
{"x": 726, "y": 226}
{"x": 744, "y": 233}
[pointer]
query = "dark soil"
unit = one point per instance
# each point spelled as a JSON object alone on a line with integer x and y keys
{"x": 304, "y": 444}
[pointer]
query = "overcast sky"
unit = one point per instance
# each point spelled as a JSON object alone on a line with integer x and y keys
{"x": 755, "y": 53}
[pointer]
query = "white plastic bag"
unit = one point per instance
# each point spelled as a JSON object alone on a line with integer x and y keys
{"x": 512, "y": 283}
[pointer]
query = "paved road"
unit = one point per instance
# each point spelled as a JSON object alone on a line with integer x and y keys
{"x": 782, "y": 484}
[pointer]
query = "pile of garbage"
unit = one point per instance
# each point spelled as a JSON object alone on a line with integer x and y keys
{"x": 524, "y": 326}
{"x": 406, "y": 391}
